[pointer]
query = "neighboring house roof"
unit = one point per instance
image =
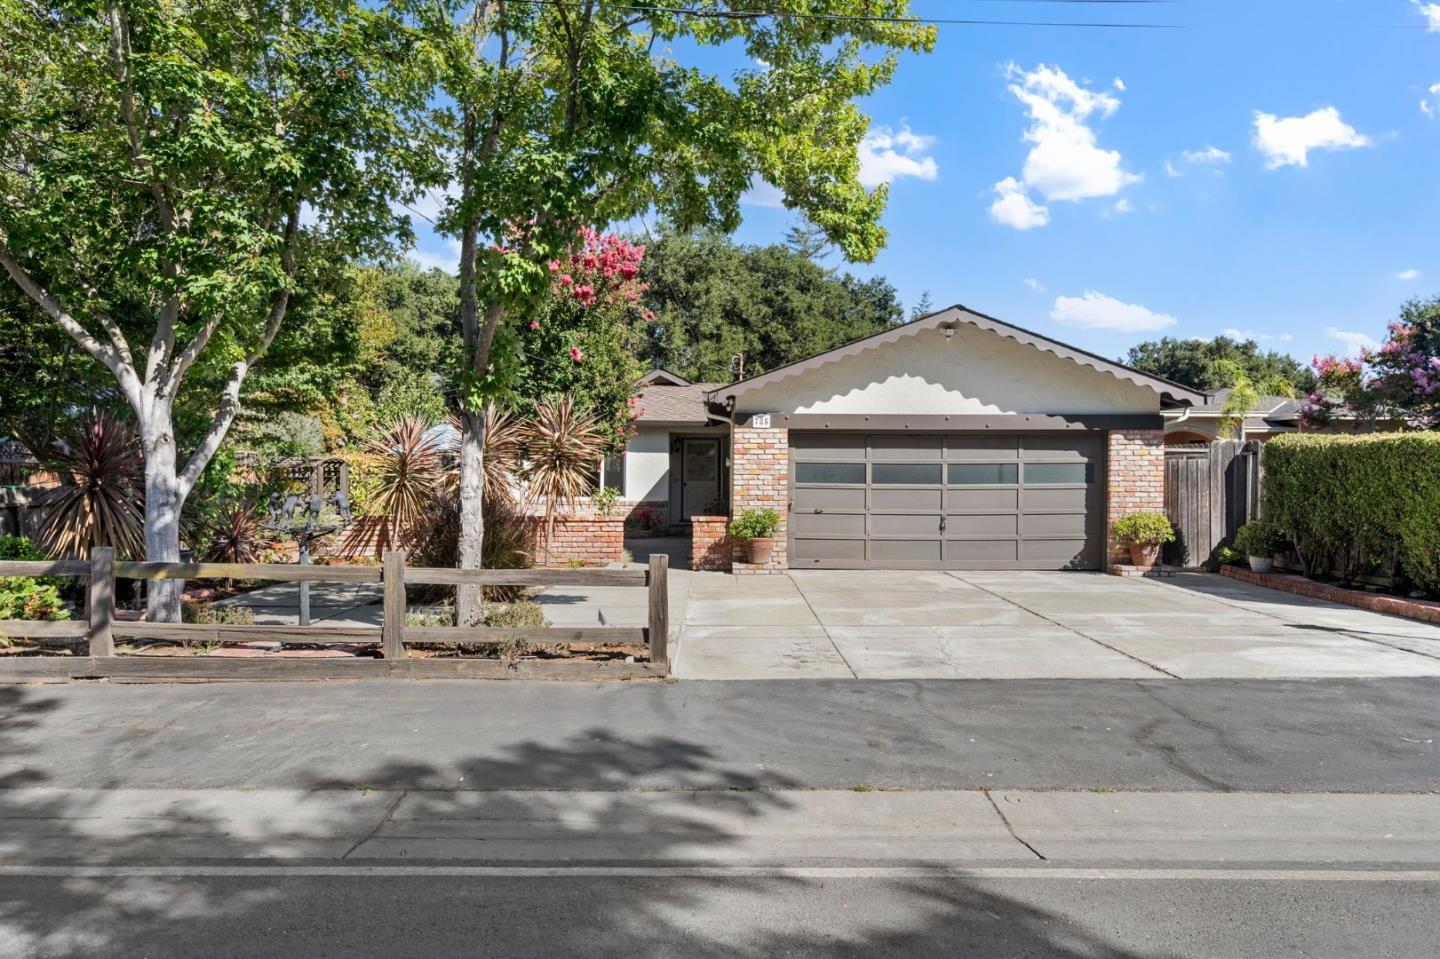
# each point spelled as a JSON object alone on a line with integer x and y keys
{"x": 662, "y": 377}
{"x": 1172, "y": 394}
{"x": 1280, "y": 411}
{"x": 667, "y": 405}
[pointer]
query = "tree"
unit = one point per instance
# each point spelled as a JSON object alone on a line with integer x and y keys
{"x": 711, "y": 299}
{"x": 808, "y": 240}
{"x": 160, "y": 161}
{"x": 582, "y": 344}
{"x": 1201, "y": 364}
{"x": 564, "y": 115}
{"x": 923, "y": 307}
{"x": 1398, "y": 382}
{"x": 1245, "y": 395}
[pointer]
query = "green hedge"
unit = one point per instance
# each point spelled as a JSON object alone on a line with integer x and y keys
{"x": 1343, "y": 500}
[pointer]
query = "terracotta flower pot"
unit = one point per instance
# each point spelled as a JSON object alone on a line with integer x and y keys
{"x": 759, "y": 549}
{"x": 1144, "y": 554}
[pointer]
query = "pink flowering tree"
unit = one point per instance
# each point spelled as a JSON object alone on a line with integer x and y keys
{"x": 1398, "y": 382}
{"x": 581, "y": 339}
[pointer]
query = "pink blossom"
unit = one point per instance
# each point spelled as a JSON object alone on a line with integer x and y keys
{"x": 576, "y": 354}
{"x": 534, "y": 324}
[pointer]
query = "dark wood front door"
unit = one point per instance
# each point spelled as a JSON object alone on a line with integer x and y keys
{"x": 699, "y": 478}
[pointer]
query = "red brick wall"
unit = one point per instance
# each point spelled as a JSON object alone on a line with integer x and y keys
{"x": 759, "y": 477}
{"x": 590, "y": 539}
{"x": 1135, "y": 482}
{"x": 710, "y": 546}
{"x": 1427, "y": 611}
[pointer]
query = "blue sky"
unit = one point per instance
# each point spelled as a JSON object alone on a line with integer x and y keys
{"x": 1272, "y": 168}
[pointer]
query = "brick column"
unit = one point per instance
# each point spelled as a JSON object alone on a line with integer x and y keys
{"x": 759, "y": 477}
{"x": 1134, "y": 483}
{"x": 710, "y": 543}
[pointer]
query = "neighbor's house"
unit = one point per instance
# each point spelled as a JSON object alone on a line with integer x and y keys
{"x": 954, "y": 441}
{"x": 1200, "y": 423}
{"x": 1271, "y": 416}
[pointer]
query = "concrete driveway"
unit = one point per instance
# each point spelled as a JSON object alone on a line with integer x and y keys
{"x": 1026, "y": 625}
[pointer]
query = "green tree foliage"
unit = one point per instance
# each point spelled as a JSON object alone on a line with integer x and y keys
{"x": 161, "y": 157}
{"x": 1399, "y": 382}
{"x": 712, "y": 299}
{"x": 1345, "y": 501}
{"x": 1210, "y": 365}
{"x": 568, "y": 114}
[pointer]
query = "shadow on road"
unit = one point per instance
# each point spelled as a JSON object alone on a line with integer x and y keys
{"x": 114, "y": 913}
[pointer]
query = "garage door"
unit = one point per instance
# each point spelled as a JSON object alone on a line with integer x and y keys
{"x": 946, "y": 500}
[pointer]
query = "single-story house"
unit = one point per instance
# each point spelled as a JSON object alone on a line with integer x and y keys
{"x": 1270, "y": 416}
{"x": 954, "y": 441}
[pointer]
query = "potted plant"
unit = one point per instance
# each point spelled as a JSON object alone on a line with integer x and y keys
{"x": 1259, "y": 541}
{"x": 1144, "y": 534}
{"x": 756, "y": 528}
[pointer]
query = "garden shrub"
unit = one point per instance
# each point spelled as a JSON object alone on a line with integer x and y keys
{"x": 1258, "y": 539}
{"x": 210, "y": 614}
{"x": 761, "y": 523}
{"x": 25, "y": 597}
{"x": 1148, "y": 529}
{"x": 1342, "y": 500}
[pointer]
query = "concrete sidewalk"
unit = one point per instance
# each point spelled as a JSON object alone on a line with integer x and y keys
{"x": 720, "y": 827}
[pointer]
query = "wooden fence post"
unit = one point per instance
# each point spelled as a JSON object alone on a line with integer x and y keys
{"x": 392, "y": 633}
{"x": 100, "y": 600}
{"x": 659, "y": 636}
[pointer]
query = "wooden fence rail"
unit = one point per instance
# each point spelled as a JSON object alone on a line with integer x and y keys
{"x": 101, "y": 628}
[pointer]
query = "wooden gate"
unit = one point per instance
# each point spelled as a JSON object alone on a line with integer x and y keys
{"x": 1211, "y": 490}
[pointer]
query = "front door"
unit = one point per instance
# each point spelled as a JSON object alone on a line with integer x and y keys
{"x": 699, "y": 478}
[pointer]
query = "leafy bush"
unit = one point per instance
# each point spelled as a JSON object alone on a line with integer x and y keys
{"x": 604, "y": 500}
{"x": 755, "y": 524}
{"x": 646, "y": 521}
{"x": 25, "y": 597}
{"x": 209, "y": 614}
{"x": 1258, "y": 539}
{"x": 522, "y": 614}
{"x": 1229, "y": 556}
{"x": 1343, "y": 500}
{"x": 1148, "y": 529}
{"x": 22, "y": 550}
{"x": 100, "y": 503}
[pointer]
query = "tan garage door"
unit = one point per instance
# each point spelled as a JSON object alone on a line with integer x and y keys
{"x": 946, "y": 500}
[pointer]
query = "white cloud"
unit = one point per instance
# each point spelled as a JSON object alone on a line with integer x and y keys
{"x": 1118, "y": 84}
{"x": 1123, "y": 205}
{"x": 1235, "y": 334}
{"x": 1288, "y": 141}
{"x": 765, "y": 194}
{"x": 1035, "y": 285}
{"x": 1096, "y": 311}
{"x": 1353, "y": 339}
{"x": 1430, "y": 106}
{"x": 1410, "y": 274}
{"x": 887, "y": 155}
{"x": 1211, "y": 155}
{"x": 1170, "y": 169}
{"x": 430, "y": 260}
{"x": 1013, "y": 207}
{"x": 1431, "y": 13}
{"x": 1064, "y": 162}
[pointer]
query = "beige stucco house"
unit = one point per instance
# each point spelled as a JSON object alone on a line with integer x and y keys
{"x": 955, "y": 441}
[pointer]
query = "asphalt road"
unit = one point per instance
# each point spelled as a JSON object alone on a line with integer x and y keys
{"x": 1332, "y": 735}
{"x": 661, "y": 917}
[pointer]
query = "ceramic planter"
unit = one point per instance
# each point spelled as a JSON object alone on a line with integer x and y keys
{"x": 1144, "y": 554}
{"x": 759, "y": 549}
{"x": 1261, "y": 564}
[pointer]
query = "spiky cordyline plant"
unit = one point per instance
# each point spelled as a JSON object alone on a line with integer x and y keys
{"x": 411, "y": 473}
{"x": 235, "y": 535}
{"x": 562, "y": 447}
{"x": 100, "y": 501}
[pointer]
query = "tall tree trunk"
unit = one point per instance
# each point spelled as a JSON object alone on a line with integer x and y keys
{"x": 163, "y": 503}
{"x": 469, "y": 600}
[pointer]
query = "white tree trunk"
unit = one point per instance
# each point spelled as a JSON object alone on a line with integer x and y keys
{"x": 469, "y": 600}
{"x": 163, "y": 503}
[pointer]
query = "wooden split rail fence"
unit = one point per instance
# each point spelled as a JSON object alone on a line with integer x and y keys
{"x": 101, "y": 629}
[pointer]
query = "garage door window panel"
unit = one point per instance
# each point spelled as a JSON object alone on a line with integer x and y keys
{"x": 1058, "y": 474}
{"x": 905, "y": 474}
{"x": 830, "y": 474}
{"x": 984, "y": 474}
